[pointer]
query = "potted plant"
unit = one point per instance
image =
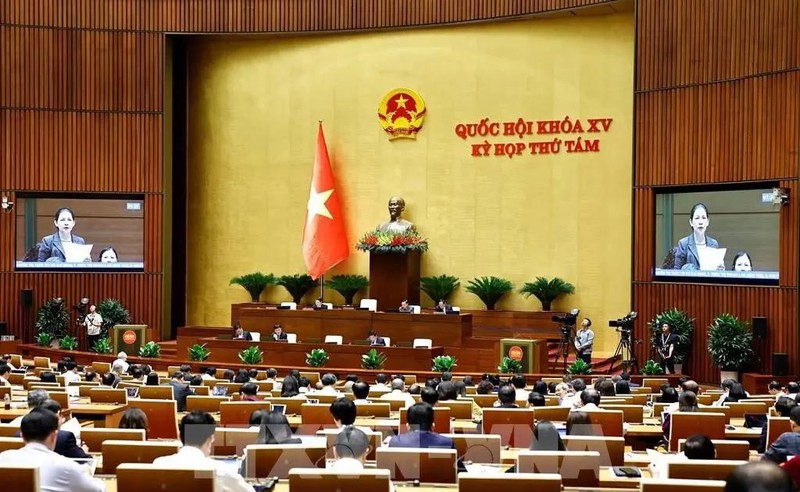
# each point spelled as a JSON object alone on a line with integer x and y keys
{"x": 199, "y": 352}
{"x": 546, "y": 290}
{"x": 44, "y": 339}
{"x": 373, "y": 360}
{"x": 652, "y": 368}
{"x": 297, "y": 285}
{"x": 53, "y": 318}
{"x": 113, "y": 313}
{"x": 441, "y": 287}
{"x": 444, "y": 363}
{"x": 579, "y": 367}
{"x": 150, "y": 349}
{"x": 730, "y": 343}
{"x": 489, "y": 289}
{"x": 251, "y": 355}
{"x": 69, "y": 343}
{"x": 682, "y": 328}
{"x": 254, "y": 283}
{"x": 317, "y": 357}
{"x": 509, "y": 366}
{"x": 103, "y": 346}
{"x": 347, "y": 285}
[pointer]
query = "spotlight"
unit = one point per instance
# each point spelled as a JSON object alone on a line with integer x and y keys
{"x": 84, "y": 301}
{"x": 58, "y": 301}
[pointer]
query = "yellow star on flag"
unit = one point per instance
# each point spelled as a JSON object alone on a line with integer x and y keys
{"x": 401, "y": 101}
{"x": 316, "y": 203}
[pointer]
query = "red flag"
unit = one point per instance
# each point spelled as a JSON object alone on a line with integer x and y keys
{"x": 324, "y": 237}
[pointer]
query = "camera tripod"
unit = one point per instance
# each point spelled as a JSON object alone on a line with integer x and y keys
{"x": 624, "y": 352}
{"x": 563, "y": 347}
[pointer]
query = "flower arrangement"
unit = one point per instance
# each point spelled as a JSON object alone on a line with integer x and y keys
{"x": 377, "y": 241}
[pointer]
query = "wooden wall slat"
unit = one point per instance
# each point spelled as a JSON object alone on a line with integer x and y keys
{"x": 742, "y": 130}
{"x": 690, "y": 42}
{"x": 56, "y": 150}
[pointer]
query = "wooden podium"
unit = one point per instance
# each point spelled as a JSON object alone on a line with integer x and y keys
{"x": 531, "y": 353}
{"x": 128, "y": 338}
{"x": 394, "y": 277}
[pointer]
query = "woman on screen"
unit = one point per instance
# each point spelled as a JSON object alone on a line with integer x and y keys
{"x": 742, "y": 262}
{"x": 696, "y": 246}
{"x": 108, "y": 255}
{"x": 52, "y": 249}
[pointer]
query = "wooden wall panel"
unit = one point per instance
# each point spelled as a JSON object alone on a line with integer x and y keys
{"x": 704, "y": 302}
{"x": 717, "y": 101}
{"x": 685, "y": 42}
{"x": 742, "y": 130}
{"x": 57, "y": 150}
{"x": 268, "y": 15}
{"x": 138, "y": 292}
{"x": 84, "y": 70}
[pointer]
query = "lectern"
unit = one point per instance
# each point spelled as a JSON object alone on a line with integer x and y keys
{"x": 531, "y": 353}
{"x": 394, "y": 277}
{"x": 128, "y": 338}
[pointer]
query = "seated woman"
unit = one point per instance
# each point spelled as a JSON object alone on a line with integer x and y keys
{"x": 291, "y": 388}
{"x": 107, "y": 255}
{"x": 546, "y": 437}
{"x": 687, "y": 402}
{"x": 579, "y": 424}
{"x": 275, "y": 429}
{"x": 134, "y": 418}
{"x": 735, "y": 394}
{"x": 668, "y": 395}
{"x": 742, "y": 262}
{"x": 151, "y": 379}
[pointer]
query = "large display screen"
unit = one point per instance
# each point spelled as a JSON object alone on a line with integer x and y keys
{"x": 81, "y": 233}
{"x": 730, "y": 235}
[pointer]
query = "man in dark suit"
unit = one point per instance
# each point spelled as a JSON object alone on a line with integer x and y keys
{"x": 66, "y": 445}
{"x": 420, "y": 431}
{"x": 319, "y": 305}
{"x": 180, "y": 390}
{"x": 277, "y": 332}
{"x": 375, "y": 340}
{"x": 240, "y": 334}
{"x": 443, "y": 307}
{"x": 506, "y": 397}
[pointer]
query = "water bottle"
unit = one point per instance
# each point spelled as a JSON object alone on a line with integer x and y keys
{"x": 7, "y": 401}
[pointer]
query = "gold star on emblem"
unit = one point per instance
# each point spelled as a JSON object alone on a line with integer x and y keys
{"x": 316, "y": 203}
{"x": 401, "y": 102}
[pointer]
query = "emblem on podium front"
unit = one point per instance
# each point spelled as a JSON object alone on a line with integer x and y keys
{"x": 401, "y": 113}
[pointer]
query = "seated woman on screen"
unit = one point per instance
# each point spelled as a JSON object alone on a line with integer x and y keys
{"x": 52, "y": 249}
{"x": 694, "y": 249}
{"x": 108, "y": 255}
{"x": 742, "y": 262}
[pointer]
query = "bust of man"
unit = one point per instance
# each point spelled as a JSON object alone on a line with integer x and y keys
{"x": 396, "y": 223}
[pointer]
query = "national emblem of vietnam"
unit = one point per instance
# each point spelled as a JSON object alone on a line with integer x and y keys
{"x": 401, "y": 113}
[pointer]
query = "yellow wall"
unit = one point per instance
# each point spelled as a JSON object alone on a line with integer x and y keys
{"x": 254, "y": 106}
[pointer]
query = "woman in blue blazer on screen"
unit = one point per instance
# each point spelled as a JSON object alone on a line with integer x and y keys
{"x": 689, "y": 249}
{"x": 52, "y": 248}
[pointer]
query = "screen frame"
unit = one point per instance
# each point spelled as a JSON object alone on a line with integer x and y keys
{"x": 710, "y": 188}
{"x": 35, "y": 195}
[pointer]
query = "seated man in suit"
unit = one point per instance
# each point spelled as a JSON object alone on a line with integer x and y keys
{"x": 375, "y": 340}
{"x": 180, "y": 389}
{"x": 240, "y": 334}
{"x": 277, "y": 332}
{"x": 405, "y": 307}
{"x": 420, "y": 431}
{"x": 443, "y": 307}
{"x": 506, "y": 397}
{"x": 319, "y": 305}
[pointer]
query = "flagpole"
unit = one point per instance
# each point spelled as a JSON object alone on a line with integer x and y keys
{"x": 321, "y": 284}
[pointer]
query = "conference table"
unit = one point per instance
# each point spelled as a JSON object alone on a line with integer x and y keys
{"x": 101, "y": 414}
{"x": 354, "y": 324}
{"x": 226, "y": 350}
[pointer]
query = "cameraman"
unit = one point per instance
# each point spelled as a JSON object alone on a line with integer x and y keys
{"x": 584, "y": 339}
{"x": 665, "y": 345}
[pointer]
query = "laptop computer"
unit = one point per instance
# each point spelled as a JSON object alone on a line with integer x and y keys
{"x": 132, "y": 392}
{"x": 219, "y": 391}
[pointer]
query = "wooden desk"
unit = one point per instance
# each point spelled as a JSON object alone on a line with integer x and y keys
{"x": 102, "y": 414}
{"x": 352, "y": 324}
{"x": 294, "y": 354}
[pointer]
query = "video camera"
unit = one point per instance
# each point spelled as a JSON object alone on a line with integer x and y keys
{"x": 624, "y": 324}
{"x": 567, "y": 319}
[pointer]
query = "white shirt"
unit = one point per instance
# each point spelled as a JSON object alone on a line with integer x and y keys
{"x": 193, "y": 458}
{"x": 328, "y": 390}
{"x": 119, "y": 365}
{"x": 380, "y": 387}
{"x": 206, "y": 376}
{"x": 361, "y": 402}
{"x": 399, "y": 395}
{"x": 522, "y": 394}
{"x": 93, "y": 324}
{"x": 71, "y": 377}
{"x": 589, "y": 407}
{"x": 4, "y": 381}
{"x": 56, "y": 473}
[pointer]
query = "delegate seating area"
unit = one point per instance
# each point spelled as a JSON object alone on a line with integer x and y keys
{"x": 488, "y": 440}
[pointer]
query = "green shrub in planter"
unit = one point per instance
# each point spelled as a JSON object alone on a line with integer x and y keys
{"x": 444, "y": 363}
{"x": 251, "y": 355}
{"x": 317, "y": 357}
{"x": 69, "y": 343}
{"x": 441, "y": 287}
{"x": 150, "y": 349}
{"x": 199, "y": 352}
{"x": 730, "y": 343}
{"x": 373, "y": 360}
{"x": 348, "y": 286}
{"x": 682, "y": 328}
{"x": 489, "y": 289}
{"x": 546, "y": 290}
{"x": 509, "y": 366}
{"x": 103, "y": 346}
{"x": 254, "y": 283}
{"x": 297, "y": 285}
{"x": 579, "y": 367}
{"x": 652, "y": 368}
